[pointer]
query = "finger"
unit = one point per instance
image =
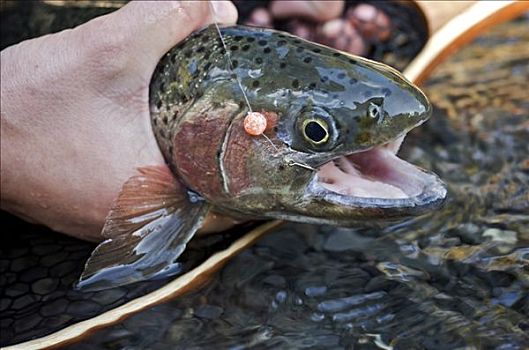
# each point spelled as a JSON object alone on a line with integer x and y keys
{"x": 153, "y": 28}
{"x": 316, "y": 10}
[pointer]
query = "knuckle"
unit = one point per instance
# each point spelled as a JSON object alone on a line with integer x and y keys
{"x": 105, "y": 49}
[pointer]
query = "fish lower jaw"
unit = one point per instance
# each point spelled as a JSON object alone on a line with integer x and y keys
{"x": 377, "y": 178}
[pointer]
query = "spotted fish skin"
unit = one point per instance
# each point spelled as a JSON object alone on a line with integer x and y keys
{"x": 197, "y": 108}
{"x": 274, "y": 69}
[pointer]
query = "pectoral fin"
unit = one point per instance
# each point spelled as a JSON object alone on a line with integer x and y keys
{"x": 148, "y": 228}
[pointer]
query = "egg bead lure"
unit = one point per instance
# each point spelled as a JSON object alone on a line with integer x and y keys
{"x": 255, "y": 123}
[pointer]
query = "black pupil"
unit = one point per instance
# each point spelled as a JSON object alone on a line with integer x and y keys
{"x": 315, "y": 131}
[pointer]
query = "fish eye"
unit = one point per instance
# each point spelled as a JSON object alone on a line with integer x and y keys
{"x": 316, "y": 131}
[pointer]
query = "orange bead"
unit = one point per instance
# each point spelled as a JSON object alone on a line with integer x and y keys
{"x": 255, "y": 123}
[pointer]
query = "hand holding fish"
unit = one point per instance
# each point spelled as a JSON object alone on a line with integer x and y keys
{"x": 324, "y": 154}
{"x": 75, "y": 113}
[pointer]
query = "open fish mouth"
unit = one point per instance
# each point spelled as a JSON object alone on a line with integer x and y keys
{"x": 377, "y": 178}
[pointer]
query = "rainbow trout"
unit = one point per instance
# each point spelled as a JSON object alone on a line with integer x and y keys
{"x": 334, "y": 125}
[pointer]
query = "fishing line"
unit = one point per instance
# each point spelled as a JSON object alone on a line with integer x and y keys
{"x": 230, "y": 67}
{"x": 228, "y": 55}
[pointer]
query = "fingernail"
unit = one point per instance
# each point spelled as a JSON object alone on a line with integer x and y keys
{"x": 225, "y": 12}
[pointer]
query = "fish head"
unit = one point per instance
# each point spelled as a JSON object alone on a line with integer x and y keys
{"x": 336, "y": 122}
{"x": 358, "y": 104}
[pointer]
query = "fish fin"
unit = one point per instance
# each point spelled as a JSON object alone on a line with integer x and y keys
{"x": 147, "y": 228}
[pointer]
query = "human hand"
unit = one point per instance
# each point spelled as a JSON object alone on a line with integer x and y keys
{"x": 75, "y": 111}
{"x": 321, "y": 21}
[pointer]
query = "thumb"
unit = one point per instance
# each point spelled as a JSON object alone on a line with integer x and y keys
{"x": 154, "y": 27}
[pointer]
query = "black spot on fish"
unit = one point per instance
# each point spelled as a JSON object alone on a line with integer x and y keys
{"x": 281, "y": 42}
{"x": 262, "y": 42}
{"x": 300, "y": 49}
{"x": 296, "y": 41}
{"x": 324, "y": 79}
{"x": 238, "y": 38}
{"x": 317, "y": 50}
{"x": 207, "y": 65}
{"x": 245, "y": 47}
{"x": 206, "y": 55}
{"x": 295, "y": 84}
{"x": 282, "y": 36}
{"x": 258, "y": 60}
{"x": 352, "y": 61}
{"x": 250, "y": 39}
{"x": 307, "y": 60}
{"x": 159, "y": 104}
{"x": 255, "y": 84}
{"x": 201, "y": 49}
{"x": 281, "y": 167}
{"x": 312, "y": 85}
{"x": 234, "y": 48}
{"x": 336, "y": 54}
{"x": 341, "y": 75}
{"x": 234, "y": 64}
{"x": 353, "y": 81}
{"x": 164, "y": 119}
{"x": 205, "y": 39}
{"x": 282, "y": 65}
{"x": 267, "y": 50}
